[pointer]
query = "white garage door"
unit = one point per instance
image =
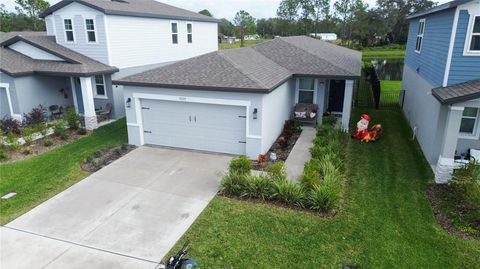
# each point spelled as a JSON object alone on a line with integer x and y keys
{"x": 216, "y": 128}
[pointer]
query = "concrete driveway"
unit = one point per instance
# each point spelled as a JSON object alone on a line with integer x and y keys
{"x": 127, "y": 215}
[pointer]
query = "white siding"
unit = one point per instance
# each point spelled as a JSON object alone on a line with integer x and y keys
{"x": 33, "y": 52}
{"x": 277, "y": 108}
{"x": 78, "y": 14}
{"x": 137, "y": 41}
{"x": 50, "y": 25}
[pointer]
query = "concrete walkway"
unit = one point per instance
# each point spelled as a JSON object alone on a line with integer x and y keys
{"x": 127, "y": 215}
{"x": 300, "y": 154}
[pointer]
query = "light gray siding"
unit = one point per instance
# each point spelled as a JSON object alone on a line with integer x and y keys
{"x": 4, "y": 107}
{"x": 35, "y": 90}
{"x": 114, "y": 96}
{"x": 277, "y": 107}
{"x": 423, "y": 112}
{"x": 4, "y": 78}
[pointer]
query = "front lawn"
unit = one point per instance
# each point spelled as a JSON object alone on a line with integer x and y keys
{"x": 386, "y": 221}
{"x": 391, "y": 85}
{"x": 39, "y": 178}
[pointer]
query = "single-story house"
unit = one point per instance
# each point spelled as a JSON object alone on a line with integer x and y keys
{"x": 236, "y": 101}
{"x": 35, "y": 70}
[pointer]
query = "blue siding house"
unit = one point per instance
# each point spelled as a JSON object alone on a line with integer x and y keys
{"x": 441, "y": 81}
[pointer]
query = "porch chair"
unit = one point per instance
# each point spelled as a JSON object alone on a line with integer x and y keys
{"x": 56, "y": 111}
{"x": 104, "y": 114}
{"x": 305, "y": 113}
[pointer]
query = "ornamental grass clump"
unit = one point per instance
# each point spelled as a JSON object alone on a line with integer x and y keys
{"x": 277, "y": 171}
{"x": 290, "y": 193}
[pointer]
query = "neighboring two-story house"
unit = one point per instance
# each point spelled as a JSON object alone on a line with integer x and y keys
{"x": 442, "y": 83}
{"x": 89, "y": 43}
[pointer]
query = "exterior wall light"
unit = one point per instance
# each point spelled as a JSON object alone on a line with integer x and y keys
{"x": 255, "y": 113}
{"x": 129, "y": 102}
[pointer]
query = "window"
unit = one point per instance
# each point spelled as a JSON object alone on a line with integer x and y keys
{"x": 174, "y": 33}
{"x": 68, "y": 30}
{"x": 189, "y": 33}
{"x": 421, "y": 30}
{"x": 100, "y": 86}
{"x": 469, "y": 122}
{"x": 89, "y": 24}
{"x": 474, "y": 45}
{"x": 306, "y": 90}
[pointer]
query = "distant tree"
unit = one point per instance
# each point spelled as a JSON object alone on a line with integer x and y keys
{"x": 395, "y": 13}
{"x": 360, "y": 30}
{"x": 321, "y": 12}
{"x": 288, "y": 13}
{"x": 32, "y": 8}
{"x": 206, "y": 13}
{"x": 244, "y": 25}
{"x": 344, "y": 10}
{"x": 225, "y": 27}
{"x": 10, "y": 21}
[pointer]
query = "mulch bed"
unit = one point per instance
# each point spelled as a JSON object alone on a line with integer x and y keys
{"x": 37, "y": 147}
{"x": 100, "y": 159}
{"x": 281, "y": 151}
{"x": 434, "y": 194}
{"x": 331, "y": 214}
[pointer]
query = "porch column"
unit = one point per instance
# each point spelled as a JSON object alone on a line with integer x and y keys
{"x": 347, "y": 104}
{"x": 88, "y": 105}
{"x": 446, "y": 164}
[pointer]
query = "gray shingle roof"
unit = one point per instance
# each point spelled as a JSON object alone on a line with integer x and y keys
{"x": 135, "y": 8}
{"x": 260, "y": 68}
{"x": 17, "y": 64}
{"x": 458, "y": 93}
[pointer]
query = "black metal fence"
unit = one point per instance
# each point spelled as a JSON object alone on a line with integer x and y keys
{"x": 369, "y": 93}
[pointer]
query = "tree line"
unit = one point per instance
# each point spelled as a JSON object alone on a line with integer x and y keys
{"x": 354, "y": 21}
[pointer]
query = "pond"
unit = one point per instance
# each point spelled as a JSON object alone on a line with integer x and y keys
{"x": 389, "y": 69}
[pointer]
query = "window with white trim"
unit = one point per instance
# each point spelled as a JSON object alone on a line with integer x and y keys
{"x": 469, "y": 123}
{"x": 90, "y": 27}
{"x": 68, "y": 30}
{"x": 421, "y": 30}
{"x": 100, "y": 86}
{"x": 474, "y": 44}
{"x": 189, "y": 33}
{"x": 174, "y": 33}
{"x": 306, "y": 91}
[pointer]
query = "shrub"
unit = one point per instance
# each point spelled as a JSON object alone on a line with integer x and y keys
{"x": 59, "y": 129}
{"x": 97, "y": 154}
{"x": 37, "y": 116}
{"x": 82, "y": 131}
{"x": 323, "y": 197}
{"x": 234, "y": 183}
{"x": 290, "y": 193}
{"x": 117, "y": 151}
{"x": 240, "y": 165}
{"x": 12, "y": 141}
{"x": 466, "y": 182}
{"x": 42, "y": 129}
{"x": 297, "y": 128}
{"x": 72, "y": 118}
{"x": 261, "y": 187}
{"x": 329, "y": 120}
{"x": 26, "y": 152}
{"x": 311, "y": 173}
{"x": 10, "y": 126}
{"x": 48, "y": 143}
{"x": 124, "y": 147}
{"x": 277, "y": 171}
{"x": 28, "y": 134}
{"x": 3, "y": 155}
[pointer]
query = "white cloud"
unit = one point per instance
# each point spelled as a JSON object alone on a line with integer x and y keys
{"x": 219, "y": 8}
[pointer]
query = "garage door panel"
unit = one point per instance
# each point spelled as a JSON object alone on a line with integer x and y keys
{"x": 208, "y": 127}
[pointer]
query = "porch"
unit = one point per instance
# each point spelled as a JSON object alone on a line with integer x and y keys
{"x": 315, "y": 97}
{"x": 461, "y": 132}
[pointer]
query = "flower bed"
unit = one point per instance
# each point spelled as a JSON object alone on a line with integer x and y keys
{"x": 103, "y": 158}
{"x": 282, "y": 146}
{"x": 321, "y": 185}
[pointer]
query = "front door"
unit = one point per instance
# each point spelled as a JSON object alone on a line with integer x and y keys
{"x": 336, "y": 95}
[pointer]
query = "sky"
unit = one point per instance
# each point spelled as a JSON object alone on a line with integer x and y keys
{"x": 219, "y": 8}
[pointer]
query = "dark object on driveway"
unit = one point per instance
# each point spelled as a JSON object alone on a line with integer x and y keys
{"x": 179, "y": 261}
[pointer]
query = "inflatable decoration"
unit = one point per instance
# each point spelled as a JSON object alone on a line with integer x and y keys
{"x": 364, "y": 134}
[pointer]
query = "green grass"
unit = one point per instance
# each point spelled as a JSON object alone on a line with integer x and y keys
{"x": 236, "y": 45}
{"x": 381, "y": 53}
{"x": 386, "y": 220}
{"x": 391, "y": 85}
{"x": 39, "y": 178}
